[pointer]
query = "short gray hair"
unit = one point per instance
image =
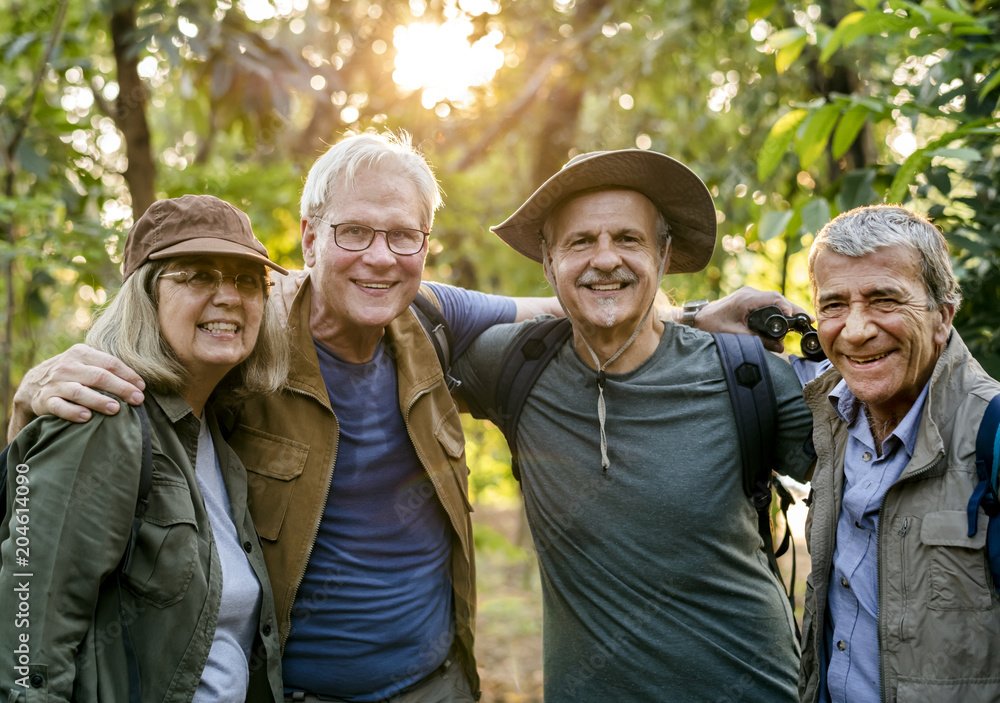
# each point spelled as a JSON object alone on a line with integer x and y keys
{"x": 864, "y": 230}
{"x": 393, "y": 153}
{"x": 128, "y": 327}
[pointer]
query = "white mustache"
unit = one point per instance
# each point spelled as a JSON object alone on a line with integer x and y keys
{"x": 618, "y": 275}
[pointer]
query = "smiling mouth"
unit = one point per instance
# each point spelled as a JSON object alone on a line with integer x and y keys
{"x": 868, "y": 359}
{"x": 220, "y": 327}
{"x": 374, "y": 286}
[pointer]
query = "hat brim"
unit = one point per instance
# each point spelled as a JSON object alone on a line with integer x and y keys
{"x": 672, "y": 187}
{"x": 206, "y": 246}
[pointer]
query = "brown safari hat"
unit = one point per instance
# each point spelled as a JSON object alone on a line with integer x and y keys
{"x": 672, "y": 187}
{"x": 192, "y": 224}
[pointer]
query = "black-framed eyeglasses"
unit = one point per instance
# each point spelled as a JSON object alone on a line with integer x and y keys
{"x": 351, "y": 236}
{"x": 207, "y": 281}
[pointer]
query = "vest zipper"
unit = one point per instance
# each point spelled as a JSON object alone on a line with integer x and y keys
{"x": 881, "y": 579}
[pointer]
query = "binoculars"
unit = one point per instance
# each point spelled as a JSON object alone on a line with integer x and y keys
{"x": 770, "y": 322}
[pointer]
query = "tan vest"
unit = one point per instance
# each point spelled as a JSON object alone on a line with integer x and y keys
{"x": 288, "y": 443}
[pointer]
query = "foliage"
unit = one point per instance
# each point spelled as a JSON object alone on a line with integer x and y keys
{"x": 927, "y": 108}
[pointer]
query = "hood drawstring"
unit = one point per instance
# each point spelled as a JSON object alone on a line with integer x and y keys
{"x": 602, "y": 411}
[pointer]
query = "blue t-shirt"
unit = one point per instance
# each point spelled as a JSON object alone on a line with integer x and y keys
{"x": 374, "y": 611}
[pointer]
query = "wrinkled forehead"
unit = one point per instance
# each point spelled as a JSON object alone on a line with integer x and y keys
{"x": 613, "y": 208}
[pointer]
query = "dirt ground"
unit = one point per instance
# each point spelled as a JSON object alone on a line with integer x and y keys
{"x": 509, "y": 627}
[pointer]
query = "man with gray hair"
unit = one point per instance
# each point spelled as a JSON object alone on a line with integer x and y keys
{"x": 900, "y": 605}
{"x": 655, "y": 583}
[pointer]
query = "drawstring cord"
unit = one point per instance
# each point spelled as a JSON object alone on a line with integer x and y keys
{"x": 602, "y": 410}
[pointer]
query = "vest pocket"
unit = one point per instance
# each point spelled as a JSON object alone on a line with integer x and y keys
{"x": 166, "y": 547}
{"x": 955, "y": 562}
{"x": 272, "y": 463}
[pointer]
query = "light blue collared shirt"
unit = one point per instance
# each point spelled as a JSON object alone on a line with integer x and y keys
{"x": 852, "y": 648}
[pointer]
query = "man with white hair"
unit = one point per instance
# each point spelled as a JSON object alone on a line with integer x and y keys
{"x": 357, "y": 481}
{"x": 900, "y": 605}
{"x": 655, "y": 582}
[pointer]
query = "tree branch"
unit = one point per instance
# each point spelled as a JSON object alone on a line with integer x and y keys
{"x": 531, "y": 90}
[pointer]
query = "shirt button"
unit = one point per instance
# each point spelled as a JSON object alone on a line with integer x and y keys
{"x": 841, "y": 645}
{"x": 266, "y": 630}
{"x": 867, "y": 456}
{"x": 844, "y": 582}
{"x": 37, "y": 680}
{"x": 247, "y": 547}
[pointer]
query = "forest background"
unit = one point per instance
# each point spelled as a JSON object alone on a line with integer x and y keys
{"x": 791, "y": 112}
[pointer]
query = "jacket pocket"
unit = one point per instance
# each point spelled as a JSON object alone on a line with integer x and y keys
{"x": 166, "y": 547}
{"x": 272, "y": 464}
{"x": 956, "y": 563}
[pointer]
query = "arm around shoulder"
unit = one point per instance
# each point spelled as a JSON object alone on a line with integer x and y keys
{"x": 71, "y": 385}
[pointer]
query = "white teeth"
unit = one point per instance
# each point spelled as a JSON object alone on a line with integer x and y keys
{"x": 606, "y": 286}
{"x": 374, "y": 285}
{"x": 859, "y": 360}
{"x": 221, "y": 327}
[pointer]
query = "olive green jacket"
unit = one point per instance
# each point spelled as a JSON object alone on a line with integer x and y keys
{"x": 72, "y": 491}
{"x": 938, "y": 613}
{"x": 288, "y": 443}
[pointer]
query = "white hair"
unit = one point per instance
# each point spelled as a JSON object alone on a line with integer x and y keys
{"x": 393, "y": 153}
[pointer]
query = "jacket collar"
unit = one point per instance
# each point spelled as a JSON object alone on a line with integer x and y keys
{"x": 943, "y": 395}
{"x": 304, "y": 374}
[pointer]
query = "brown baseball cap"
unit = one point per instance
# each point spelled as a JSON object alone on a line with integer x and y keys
{"x": 673, "y": 188}
{"x": 192, "y": 224}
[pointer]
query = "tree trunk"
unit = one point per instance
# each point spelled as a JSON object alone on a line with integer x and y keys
{"x": 561, "y": 121}
{"x": 130, "y": 112}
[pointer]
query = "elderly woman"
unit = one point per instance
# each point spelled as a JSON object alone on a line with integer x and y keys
{"x": 114, "y": 592}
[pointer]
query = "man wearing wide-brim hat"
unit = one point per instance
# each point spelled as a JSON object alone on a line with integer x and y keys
{"x": 655, "y": 583}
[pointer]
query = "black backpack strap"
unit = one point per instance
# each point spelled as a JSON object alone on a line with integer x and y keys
{"x": 987, "y": 491}
{"x": 142, "y": 502}
{"x": 520, "y": 368}
{"x": 755, "y": 408}
{"x": 437, "y": 330}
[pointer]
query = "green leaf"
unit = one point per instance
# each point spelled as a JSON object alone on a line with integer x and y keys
{"x": 759, "y": 9}
{"x": 868, "y": 4}
{"x": 933, "y": 15}
{"x": 772, "y": 224}
{"x": 815, "y": 214}
{"x": 914, "y": 164}
{"x": 814, "y": 139}
{"x": 778, "y": 140}
{"x": 989, "y": 85}
{"x": 856, "y": 190}
{"x": 963, "y": 153}
{"x": 837, "y": 37}
{"x": 784, "y": 37}
{"x": 786, "y": 55}
{"x": 848, "y": 128}
{"x": 18, "y": 45}
{"x": 859, "y": 24}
